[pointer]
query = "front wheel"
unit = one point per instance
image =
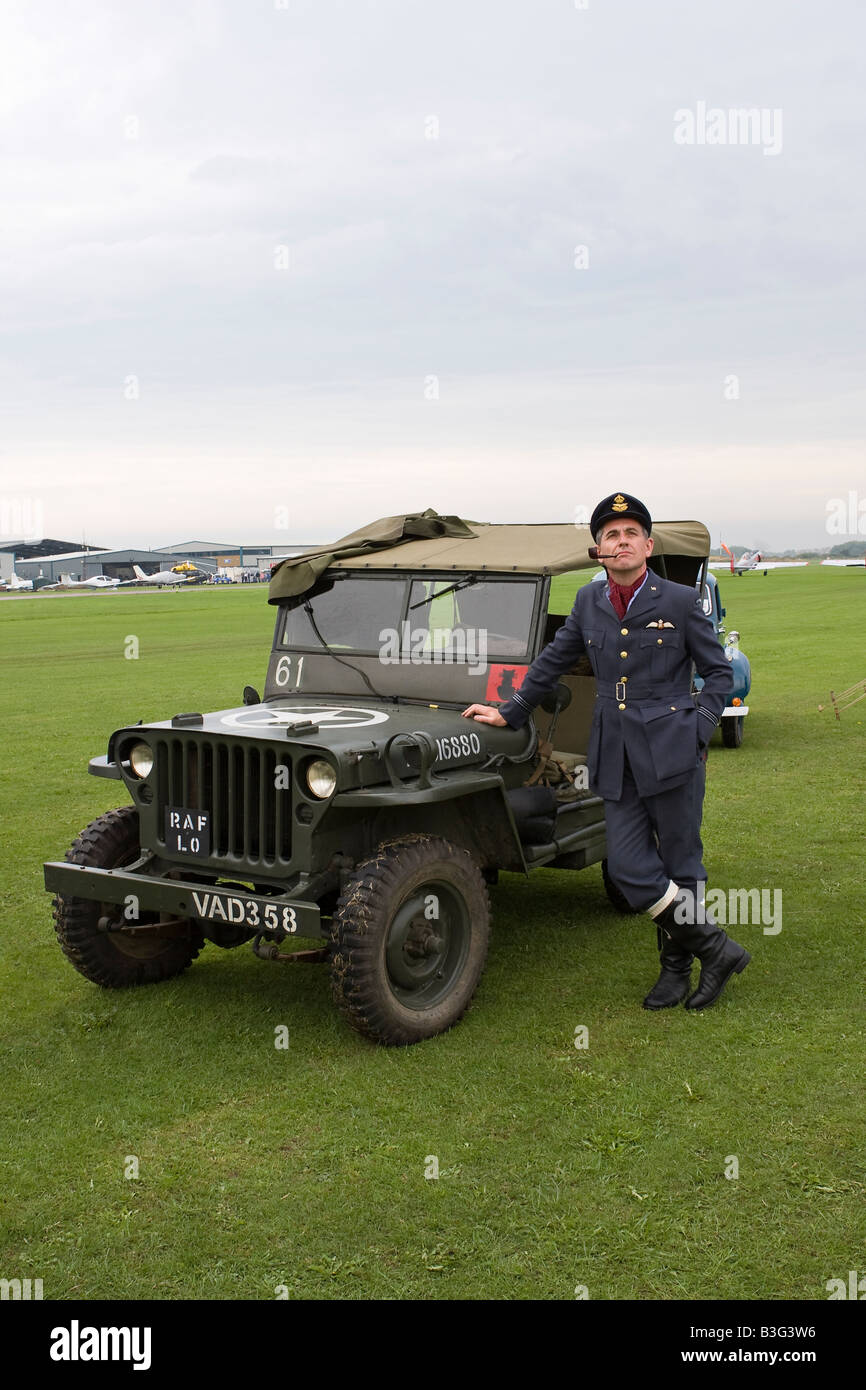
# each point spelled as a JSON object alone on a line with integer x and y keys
{"x": 732, "y": 730}
{"x": 410, "y": 936}
{"x": 122, "y": 957}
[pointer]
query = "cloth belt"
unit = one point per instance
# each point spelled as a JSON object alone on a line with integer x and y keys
{"x": 635, "y": 690}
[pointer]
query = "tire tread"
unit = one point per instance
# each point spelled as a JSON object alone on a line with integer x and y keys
{"x": 360, "y": 909}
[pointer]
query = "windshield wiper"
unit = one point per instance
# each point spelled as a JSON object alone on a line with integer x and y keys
{"x": 308, "y": 608}
{"x": 461, "y": 584}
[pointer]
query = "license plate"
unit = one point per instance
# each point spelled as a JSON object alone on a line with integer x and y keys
{"x": 187, "y": 831}
{"x": 251, "y": 912}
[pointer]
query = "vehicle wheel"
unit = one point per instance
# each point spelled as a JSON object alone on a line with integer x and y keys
{"x": 118, "y": 959}
{"x": 399, "y": 971}
{"x": 617, "y": 897}
{"x": 732, "y": 731}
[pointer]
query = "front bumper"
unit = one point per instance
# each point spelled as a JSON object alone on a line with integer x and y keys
{"x": 205, "y": 902}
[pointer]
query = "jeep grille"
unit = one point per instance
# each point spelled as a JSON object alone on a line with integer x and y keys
{"x": 235, "y": 781}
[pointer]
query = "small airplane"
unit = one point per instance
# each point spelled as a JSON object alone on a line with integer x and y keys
{"x": 858, "y": 564}
{"x": 172, "y": 578}
{"x": 168, "y": 578}
{"x": 97, "y": 581}
{"x": 751, "y": 560}
{"x": 14, "y": 582}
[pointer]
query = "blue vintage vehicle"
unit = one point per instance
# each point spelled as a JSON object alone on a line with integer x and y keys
{"x": 735, "y": 711}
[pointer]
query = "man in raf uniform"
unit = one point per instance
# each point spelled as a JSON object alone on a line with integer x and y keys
{"x": 647, "y": 747}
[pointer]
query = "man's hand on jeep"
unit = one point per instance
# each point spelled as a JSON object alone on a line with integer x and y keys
{"x": 485, "y": 714}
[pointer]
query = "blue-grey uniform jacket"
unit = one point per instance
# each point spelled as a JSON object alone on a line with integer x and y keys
{"x": 643, "y": 670}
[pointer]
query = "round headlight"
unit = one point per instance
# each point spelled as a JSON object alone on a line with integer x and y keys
{"x": 321, "y": 778}
{"x": 141, "y": 759}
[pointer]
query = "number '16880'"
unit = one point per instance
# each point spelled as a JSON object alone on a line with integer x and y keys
{"x": 458, "y": 746}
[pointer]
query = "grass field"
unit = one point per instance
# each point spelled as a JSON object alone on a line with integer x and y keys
{"x": 558, "y": 1167}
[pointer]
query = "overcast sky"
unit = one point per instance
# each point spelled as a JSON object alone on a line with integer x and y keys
{"x": 271, "y": 271}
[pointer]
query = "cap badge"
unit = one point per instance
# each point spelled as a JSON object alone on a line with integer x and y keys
{"x": 619, "y": 503}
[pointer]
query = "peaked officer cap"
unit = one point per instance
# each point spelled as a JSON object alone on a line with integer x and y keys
{"x": 617, "y": 505}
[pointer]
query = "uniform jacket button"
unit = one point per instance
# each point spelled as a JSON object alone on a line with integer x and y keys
{"x": 623, "y": 654}
{"x": 623, "y": 632}
{"x": 622, "y": 706}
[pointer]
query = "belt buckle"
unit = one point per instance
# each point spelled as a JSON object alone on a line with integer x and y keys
{"x": 620, "y": 691}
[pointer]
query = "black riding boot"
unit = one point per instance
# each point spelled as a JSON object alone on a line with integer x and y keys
{"x": 674, "y": 982}
{"x": 720, "y": 956}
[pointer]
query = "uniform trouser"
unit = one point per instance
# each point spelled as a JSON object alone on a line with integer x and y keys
{"x": 652, "y": 840}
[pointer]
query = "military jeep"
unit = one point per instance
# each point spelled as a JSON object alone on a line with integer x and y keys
{"x": 352, "y": 804}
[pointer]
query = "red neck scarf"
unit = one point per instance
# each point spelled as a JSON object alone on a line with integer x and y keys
{"x": 622, "y": 594}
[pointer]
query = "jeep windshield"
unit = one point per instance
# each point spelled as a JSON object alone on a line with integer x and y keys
{"x": 403, "y": 635}
{"x": 390, "y": 616}
{"x": 348, "y": 614}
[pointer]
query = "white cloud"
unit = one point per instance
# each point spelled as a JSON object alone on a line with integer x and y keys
{"x": 410, "y": 256}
